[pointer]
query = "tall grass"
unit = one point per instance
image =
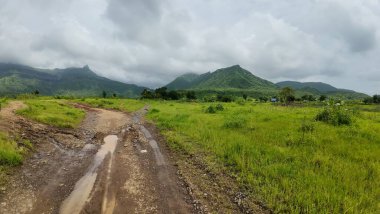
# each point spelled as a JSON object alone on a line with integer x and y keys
{"x": 51, "y": 112}
{"x": 10, "y": 154}
{"x": 286, "y": 158}
{"x": 128, "y": 105}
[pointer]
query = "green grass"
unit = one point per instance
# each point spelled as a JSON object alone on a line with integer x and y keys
{"x": 3, "y": 102}
{"x": 52, "y": 112}
{"x": 10, "y": 153}
{"x": 129, "y": 105}
{"x": 285, "y": 158}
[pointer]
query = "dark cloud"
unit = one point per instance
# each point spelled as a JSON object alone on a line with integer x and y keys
{"x": 151, "y": 42}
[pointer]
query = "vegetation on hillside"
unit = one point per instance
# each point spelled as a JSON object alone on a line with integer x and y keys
{"x": 17, "y": 79}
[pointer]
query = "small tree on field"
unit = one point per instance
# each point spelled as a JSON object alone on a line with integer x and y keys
{"x": 287, "y": 95}
{"x": 245, "y": 96}
{"x": 322, "y": 98}
{"x": 36, "y": 92}
{"x": 190, "y": 95}
{"x": 104, "y": 94}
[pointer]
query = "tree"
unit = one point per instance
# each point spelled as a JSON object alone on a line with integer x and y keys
{"x": 146, "y": 94}
{"x": 245, "y": 96}
{"x": 308, "y": 97}
{"x": 287, "y": 95}
{"x": 322, "y": 98}
{"x": 36, "y": 92}
{"x": 114, "y": 95}
{"x": 104, "y": 94}
{"x": 376, "y": 98}
{"x": 173, "y": 95}
{"x": 368, "y": 100}
{"x": 190, "y": 95}
{"x": 161, "y": 93}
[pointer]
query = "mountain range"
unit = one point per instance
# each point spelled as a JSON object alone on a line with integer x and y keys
{"x": 17, "y": 79}
{"x": 235, "y": 80}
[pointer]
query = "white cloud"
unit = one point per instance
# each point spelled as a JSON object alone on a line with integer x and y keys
{"x": 151, "y": 42}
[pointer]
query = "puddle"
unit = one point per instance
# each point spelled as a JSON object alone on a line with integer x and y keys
{"x": 76, "y": 200}
{"x": 153, "y": 144}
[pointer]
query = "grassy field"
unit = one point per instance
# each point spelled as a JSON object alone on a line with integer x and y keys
{"x": 52, "y": 112}
{"x": 128, "y": 105}
{"x": 287, "y": 159}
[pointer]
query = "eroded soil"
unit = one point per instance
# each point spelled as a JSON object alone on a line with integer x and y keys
{"x": 113, "y": 163}
{"x": 108, "y": 165}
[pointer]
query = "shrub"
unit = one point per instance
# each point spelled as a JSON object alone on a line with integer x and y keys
{"x": 240, "y": 101}
{"x": 154, "y": 110}
{"x": 210, "y": 110}
{"x": 219, "y": 107}
{"x": 235, "y": 122}
{"x": 335, "y": 115}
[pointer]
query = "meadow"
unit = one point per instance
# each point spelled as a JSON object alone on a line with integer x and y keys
{"x": 281, "y": 154}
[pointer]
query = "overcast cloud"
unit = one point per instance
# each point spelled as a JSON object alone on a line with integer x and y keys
{"x": 150, "y": 42}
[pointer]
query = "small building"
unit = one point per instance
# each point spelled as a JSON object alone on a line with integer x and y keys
{"x": 273, "y": 100}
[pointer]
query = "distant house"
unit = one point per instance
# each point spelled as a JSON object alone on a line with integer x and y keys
{"x": 273, "y": 100}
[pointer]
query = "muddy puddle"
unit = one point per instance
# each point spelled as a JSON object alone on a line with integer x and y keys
{"x": 75, "y": 202}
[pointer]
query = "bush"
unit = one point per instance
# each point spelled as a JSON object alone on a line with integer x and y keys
{"x": 219, "y": 107}
{"x": 235, "y": 122}
{"x": 154, "y": 110}
{"x": 240, "y": 101}
{"x": 335, "y": 115}
{"x": 210, "y": 110}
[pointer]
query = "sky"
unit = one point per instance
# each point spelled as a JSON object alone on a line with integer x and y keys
{"x": 150, "y": 42}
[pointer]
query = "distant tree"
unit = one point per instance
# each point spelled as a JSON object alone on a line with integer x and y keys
{"x": 36, "y": 92}
{"x": 104, "y": 94}
{"x": 114, "y": 95}
{"x": 161, "y": 93}
{"x": 308, "y": 97}
{"x": 147, "y": 94}
{"x": 322, "y": 98}
{"x": 224, "y": 98}
{"x": 376, "y": 98}
{"x": 263, "y": 99}
{"x": 173, "y": 95}
{"x": 368, "y": 100}
{"x": 190, "y": 95}
{"x": 245, "y": 96}
{"x": 287, "y": 95}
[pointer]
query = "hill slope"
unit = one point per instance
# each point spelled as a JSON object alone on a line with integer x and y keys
{"x": 235, "y": 80}
{"x": 16, "y": 79}
{"x": 319, "y": 88}
{"x": 234, "y": 77}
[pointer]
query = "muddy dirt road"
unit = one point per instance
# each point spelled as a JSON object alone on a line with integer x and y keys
{"x": 111, "y": 164}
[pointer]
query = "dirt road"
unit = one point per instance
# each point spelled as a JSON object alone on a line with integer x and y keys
{"x": 111, "y": 164}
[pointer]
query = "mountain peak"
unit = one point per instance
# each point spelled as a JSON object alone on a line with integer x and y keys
{"x": 86, "y": 67}
{"x": 233, "y": 77}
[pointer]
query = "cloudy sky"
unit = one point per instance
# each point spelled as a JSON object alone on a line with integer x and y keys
{"x": 150, "y": 42}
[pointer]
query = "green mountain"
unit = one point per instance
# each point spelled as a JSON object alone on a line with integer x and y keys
{"x": 230, "y": 78}
{"x": 17, "y": 79}
{"x": 236, "y": 81}
{"x": 320, "y": 88}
